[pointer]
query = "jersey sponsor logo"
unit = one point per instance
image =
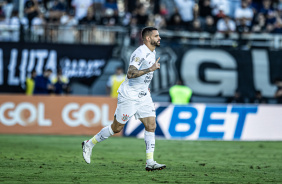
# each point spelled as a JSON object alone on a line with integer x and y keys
{"x": 125, "y": 117}
{"x": 141, "y": 94}
{"x": 148, "y": 78}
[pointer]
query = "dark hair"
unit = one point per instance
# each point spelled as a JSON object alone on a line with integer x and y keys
{"x": 146, "y": 31}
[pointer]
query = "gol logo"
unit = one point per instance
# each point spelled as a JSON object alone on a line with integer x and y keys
{"x": 24, "y": 114}
{"x": 88, "y": 115}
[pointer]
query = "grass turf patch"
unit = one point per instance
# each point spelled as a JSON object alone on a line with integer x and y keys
{"x": 58, "y": 159}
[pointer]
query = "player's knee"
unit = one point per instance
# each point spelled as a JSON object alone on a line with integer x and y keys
{"x": 116, "y": 126}
{"x": 151, "y": 127}
{"x": 117, "y": 130}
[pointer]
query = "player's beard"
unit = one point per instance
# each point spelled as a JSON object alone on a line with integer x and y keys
{"x": 156, "y": 44}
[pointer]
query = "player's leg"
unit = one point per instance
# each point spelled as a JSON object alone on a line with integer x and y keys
{"x": 149, "y": 137}
{"x": 124, "y": 111}
{"x": 104, "y": 134}
{"x": 146, "y": 114}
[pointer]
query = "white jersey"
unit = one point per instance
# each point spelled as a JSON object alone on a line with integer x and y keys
{"x": 136, "y": 88}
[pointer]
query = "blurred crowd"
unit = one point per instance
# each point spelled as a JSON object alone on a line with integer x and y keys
{"x": 243, "y": 16}
{"x": 47, "y": 83}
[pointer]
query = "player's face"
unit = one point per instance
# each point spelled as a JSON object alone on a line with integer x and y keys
{"x": 155, "y": 38}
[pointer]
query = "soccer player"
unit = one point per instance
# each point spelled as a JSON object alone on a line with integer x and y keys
{"x": 134, "y": 98}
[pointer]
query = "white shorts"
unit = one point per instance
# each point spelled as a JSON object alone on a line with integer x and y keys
{"x": 126, "y": 108}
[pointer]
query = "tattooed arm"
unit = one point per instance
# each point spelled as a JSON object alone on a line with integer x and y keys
{"x": 133, "y": 72}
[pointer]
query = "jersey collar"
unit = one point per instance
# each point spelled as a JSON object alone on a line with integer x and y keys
{"x": 148, "y": 50}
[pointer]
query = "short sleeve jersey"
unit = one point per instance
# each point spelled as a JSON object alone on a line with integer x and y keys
{"x": 136, "y": 88}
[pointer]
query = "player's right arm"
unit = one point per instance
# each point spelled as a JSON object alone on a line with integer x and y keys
{"x": 133, "y": 72}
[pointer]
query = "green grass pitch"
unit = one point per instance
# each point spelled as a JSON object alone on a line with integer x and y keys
{"x": 58, "y": 159}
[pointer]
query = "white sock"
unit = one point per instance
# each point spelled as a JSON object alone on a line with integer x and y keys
{"x": 150, "y": 146}
{"x": 104, "y": 134}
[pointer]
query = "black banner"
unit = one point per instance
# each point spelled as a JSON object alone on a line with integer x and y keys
{"x": 216, "y": 72}
{"x": 219, "y": 72}
{"x": 82, "y": 63}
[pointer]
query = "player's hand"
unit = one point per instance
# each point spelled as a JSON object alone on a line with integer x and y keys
{"x": 156, "y": 65}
